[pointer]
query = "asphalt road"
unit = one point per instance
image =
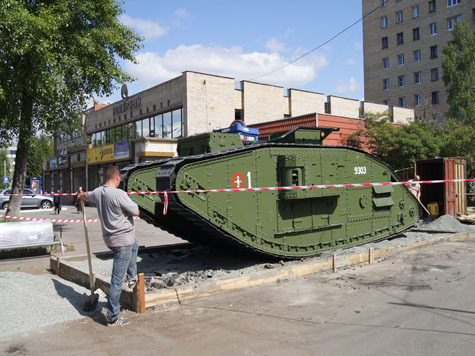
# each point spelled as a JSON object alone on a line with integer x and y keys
{"x": 419, "y": 302}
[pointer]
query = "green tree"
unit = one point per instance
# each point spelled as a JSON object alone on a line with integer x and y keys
{"x": 54, "y": 55}
{"x": 459, "y": 141}
{"x": 41, "y": 148}
{"x": 398, "y": 146}
{"x": 459, "y": 74}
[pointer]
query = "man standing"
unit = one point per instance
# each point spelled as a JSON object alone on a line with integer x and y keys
{"x": 116, "y": 211}
{"x": 415, "y": 188}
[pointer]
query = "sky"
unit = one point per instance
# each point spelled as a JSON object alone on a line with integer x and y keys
{"x": 247, "y": 40}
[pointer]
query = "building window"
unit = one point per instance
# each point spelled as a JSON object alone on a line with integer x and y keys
{"x": 400, "y": 38}
{"x": 386, "y": 84}
{"x": 415, "y": 12}
{"x": 399, "y": 17}
{"x": 417, "y": 100}
{"x": 417, "y": 55}
{"x": 387, "y": 103}
{"x": 453, "y": 2}
{"x": 434, "y": 74}
{"x": 402, "y": 102}
{"x": 401, "y": 80}
{"x": 435, "y": 97}
{"x": 385, "y": 63}
{"x": 452, "y": 21}
{"x": 433, "y": 29}
{"x": 384, "y": 41}
{"x": 417, "y": 78}
{"x": 415, "y": 34}
{"x": 432, "y": 6}
{"x": 384, "y": 3}
{"x": 384, "y": 22}
{"x": 434, "y": 53}
{"x": 167, "y": 125}
{"x": 400, "y": 59}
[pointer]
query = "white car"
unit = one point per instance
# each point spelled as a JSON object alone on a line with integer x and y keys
{"x": 32, "y": 200}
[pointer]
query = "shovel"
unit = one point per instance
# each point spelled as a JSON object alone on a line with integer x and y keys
{"x": 91, "y": 301}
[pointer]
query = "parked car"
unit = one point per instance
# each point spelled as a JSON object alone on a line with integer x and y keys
{"x": 27, "y": 201}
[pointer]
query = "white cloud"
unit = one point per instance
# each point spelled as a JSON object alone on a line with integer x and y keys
{"x": 180, "y": 16}
{"x": 181, "y": 13}
{"x": 275, "y": 45}
{"x": 346, "y": 86}
{"x": 350, "y": 62}
{"x": 153, "y": 68}
{"x": 147, "y": 28}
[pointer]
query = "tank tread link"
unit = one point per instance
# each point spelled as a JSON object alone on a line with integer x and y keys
{"x": 283, "y": 223}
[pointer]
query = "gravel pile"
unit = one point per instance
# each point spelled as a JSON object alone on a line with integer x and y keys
{"x": 449, "y": 223}
{"x": 30, "y": 302}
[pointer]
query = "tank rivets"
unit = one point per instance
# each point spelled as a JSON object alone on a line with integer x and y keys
{"x": 402, "y": 203}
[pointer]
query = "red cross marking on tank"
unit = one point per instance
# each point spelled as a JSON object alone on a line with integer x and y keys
{"x": 238, "y": 181}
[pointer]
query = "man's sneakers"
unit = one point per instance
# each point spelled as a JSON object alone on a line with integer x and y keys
{"x": 120, "y": 321}
{"x": 130, "y": 284}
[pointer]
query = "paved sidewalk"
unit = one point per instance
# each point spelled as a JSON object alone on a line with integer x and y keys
{"x": 418, "y": 302}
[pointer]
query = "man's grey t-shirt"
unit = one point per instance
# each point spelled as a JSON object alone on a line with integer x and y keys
{"x": 116, "y": 211}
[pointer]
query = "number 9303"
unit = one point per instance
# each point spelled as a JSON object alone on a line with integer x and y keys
{"x": 360, "y": 170}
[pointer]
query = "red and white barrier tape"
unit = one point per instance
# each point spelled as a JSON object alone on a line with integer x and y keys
{"x": 165, "y": 194}
{"x": 52, "y": 220}
{"x": 279, "y": 188}
{"x": 165, "y": 203}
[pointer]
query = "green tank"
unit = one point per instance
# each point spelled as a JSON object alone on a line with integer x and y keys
{"x": 290, "y": 223}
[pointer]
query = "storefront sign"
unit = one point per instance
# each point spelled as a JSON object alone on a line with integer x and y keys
{"x": 121, "y": 150}
{"x": 94, "y": 155}
{"x": 62, "y": 161}
{"x": 107, "y": 153}
{"x": 53, "y": 163}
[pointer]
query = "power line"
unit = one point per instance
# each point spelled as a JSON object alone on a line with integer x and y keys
{"x": 319, "y": 46}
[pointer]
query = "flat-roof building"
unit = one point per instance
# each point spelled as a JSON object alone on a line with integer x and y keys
{"x": 145, "y": 126}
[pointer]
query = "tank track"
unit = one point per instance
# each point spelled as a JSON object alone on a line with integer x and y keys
{"x": 196, "y": 226}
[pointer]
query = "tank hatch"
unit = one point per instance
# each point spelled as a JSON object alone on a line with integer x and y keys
{"x": 207, "y": 142}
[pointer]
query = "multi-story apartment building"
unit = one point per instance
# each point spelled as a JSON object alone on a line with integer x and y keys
{"x": 403, "y": 44}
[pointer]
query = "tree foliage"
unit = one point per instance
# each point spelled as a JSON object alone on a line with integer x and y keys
{"x": 54, "y": 56}
{"x": 41, "y": 148}
{"x": 459, "y": 141}
{"x": 459, "y": 74}
{"x": 398, "y": 146}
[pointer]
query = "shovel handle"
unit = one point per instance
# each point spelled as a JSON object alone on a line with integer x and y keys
{"x": 86, "y": 236}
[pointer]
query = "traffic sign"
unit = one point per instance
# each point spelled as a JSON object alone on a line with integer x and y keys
{"x": 6, "y": 179}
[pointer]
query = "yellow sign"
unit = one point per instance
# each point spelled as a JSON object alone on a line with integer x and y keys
{"x": 107, "y": 153}
{"x": 94, "y": 155}
{"x": 100, "y": 154}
